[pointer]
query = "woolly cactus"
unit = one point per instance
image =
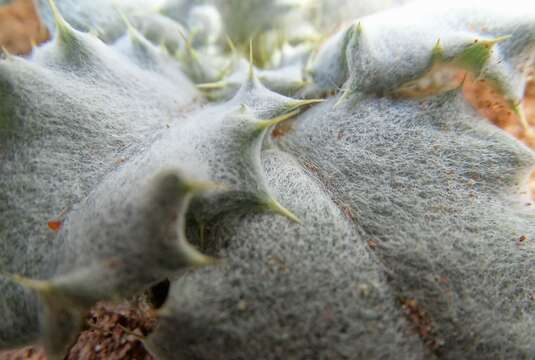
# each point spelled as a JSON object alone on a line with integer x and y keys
{"x": 345, "y": 203}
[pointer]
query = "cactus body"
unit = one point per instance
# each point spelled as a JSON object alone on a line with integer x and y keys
{"x": 382, "y": 222}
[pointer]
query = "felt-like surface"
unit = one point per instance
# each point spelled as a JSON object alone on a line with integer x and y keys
{"x": 357, "y": 212}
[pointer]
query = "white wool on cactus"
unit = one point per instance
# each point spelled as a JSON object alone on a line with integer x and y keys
{"x": 301, "y": 195}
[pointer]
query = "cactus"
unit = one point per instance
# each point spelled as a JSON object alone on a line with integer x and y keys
{"x": 337, "y": 198}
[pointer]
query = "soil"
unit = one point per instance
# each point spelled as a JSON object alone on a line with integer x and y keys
{"x": 111, "y": 332}
{"x": 21, "y": 27}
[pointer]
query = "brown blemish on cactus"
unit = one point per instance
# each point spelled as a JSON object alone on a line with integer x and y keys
{"x": 55, "y": 225}
{"x": 311, "y": 167}
{"x": 346, "y": 210}
{"x": 464, "y": 71}
{"x": 372, "y": 244}
{"x": 489, "y": 104}
{"x": 483, "y": 94}
{"x": 421, "y": 323}
{"x": 492, "y": 105}
{"x": 278, "y": 264}
{"x": 281, "y": 130}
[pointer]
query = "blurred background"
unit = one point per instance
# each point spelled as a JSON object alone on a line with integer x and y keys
{"x": 20, "y": 26}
